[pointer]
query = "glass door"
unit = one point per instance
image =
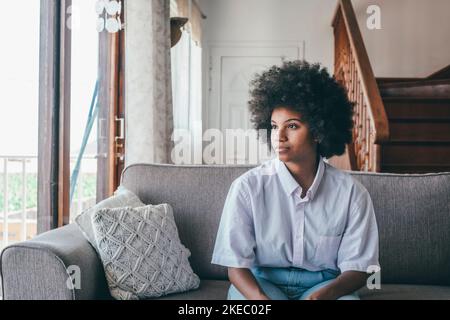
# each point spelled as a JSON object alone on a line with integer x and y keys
{"x": 84, "y": 105}
{"x": 19, "y": 86}
{"x": 96, "y": 108}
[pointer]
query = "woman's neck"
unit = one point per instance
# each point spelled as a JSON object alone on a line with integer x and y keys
{"x": 305, "y": 171}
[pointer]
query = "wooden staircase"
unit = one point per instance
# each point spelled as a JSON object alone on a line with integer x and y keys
{"x": 400, "y": 125}
{"x": 418, "y": 113}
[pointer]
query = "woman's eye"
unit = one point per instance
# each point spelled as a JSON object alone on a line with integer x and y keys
{"x": 292, "y": 126}
{"x": 273, "y": 127}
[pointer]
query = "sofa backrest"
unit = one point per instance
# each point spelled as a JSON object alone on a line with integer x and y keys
{"x": 413, "y": 215}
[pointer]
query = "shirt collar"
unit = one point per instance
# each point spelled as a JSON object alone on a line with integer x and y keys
{"x": 290, "y": 184}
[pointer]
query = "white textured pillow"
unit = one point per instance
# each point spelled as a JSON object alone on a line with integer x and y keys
{"x": 121, "y": 198}
{"x": 141, "y": 252}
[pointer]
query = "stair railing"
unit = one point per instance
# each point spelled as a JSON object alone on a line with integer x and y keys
{"x": 353, "y": 70}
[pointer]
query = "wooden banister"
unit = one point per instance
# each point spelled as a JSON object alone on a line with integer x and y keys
{"x": 353, "y": 70}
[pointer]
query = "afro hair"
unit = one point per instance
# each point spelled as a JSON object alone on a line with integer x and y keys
{"x": 311, "y": 91}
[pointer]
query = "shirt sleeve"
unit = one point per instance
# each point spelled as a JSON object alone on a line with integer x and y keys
{"x": 235, "y": 242}
{"x": 359, "y": 245}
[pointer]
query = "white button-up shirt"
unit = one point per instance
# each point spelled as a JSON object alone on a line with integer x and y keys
{"x": 266, "y": 223}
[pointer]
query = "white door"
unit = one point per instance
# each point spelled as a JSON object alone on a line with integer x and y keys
{"x": 231, "y": 70}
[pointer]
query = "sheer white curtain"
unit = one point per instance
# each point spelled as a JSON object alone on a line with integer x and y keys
{"x": 186, "y": 58}
{"x": 180, "y": 82}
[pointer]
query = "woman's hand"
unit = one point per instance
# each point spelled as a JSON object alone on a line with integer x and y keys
{"x": 245, "y": 282}
{"x": 344, "y": 284}
{"x": 262, "y": 297}
{"x": 322, "y": 294}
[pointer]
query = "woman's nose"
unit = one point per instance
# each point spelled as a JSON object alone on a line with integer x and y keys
{"x": 281, "y": 135}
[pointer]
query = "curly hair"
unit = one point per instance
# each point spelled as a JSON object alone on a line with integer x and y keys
{"x": 311, "y": 91}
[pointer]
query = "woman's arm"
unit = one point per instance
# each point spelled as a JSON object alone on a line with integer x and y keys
{"x": 245, "y": 282}
{"x": 346, "y": 283}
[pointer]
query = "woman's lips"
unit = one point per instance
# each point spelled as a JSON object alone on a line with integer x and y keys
{"x": 282, "y": 149}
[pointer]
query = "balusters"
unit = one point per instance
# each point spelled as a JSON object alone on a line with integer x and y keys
{"x": 360, "y": 121}
{"x": 360, "y": 90}
{"x": 361, "y": 131}
{"x": 368, "y": 141}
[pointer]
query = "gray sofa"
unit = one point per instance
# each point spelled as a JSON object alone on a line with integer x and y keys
{"x": 413, "y": 213}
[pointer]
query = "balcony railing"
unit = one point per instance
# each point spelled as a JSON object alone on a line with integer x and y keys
{"x": 18, "y": 183}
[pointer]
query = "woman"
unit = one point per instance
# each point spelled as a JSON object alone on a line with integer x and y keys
{"x": 296, "y": 227}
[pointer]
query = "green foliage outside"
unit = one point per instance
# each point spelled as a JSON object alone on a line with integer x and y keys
{"x": 15, "y": 190}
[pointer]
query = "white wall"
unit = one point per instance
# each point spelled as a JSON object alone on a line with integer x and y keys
{"x": 273, "y": 21}
{"x": 266, "y": 23}
{"x": 413, "y": 40}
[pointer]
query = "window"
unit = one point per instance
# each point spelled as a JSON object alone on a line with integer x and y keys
{"x": 83, "y": 106}
{"x": 80, "y": 102}
{"x": 19, "y": 80}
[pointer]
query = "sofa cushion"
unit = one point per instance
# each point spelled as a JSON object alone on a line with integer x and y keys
{"x": 406, "y": 292}
{"x": 197, "y": 210}
{"x": 217, "y": 290}
{"x": 413, "y": 215}
{"x": 121, "y": 198}
{"x": 208, "y": 290}
{"x": 141, "y": 252}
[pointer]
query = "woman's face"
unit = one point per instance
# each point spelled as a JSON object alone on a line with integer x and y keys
{"x": 290, "y": 137}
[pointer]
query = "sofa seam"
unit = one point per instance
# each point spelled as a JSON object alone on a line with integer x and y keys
{"x": 168, "y": 165}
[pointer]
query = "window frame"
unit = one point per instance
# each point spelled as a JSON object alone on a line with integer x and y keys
{"x": 54, "y": 114}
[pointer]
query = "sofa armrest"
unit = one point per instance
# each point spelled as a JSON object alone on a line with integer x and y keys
{"x": 39, "y": 269}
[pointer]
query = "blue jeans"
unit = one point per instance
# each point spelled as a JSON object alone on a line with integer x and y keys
{"x": 290, "y": 283}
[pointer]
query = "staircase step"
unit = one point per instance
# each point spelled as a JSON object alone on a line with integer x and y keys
{"x": 382, "y": 81}
{"x": 414, "y": 83}
{"x": 426, "y": 168}
{"x": 420, "y": 120}
{"x": 418, "y": 99}
{"x": 419, "y": 130}
{"x": 425, "y": 88}
{"x": 443, "y": 73}
{"x": 422, "y": 142}
{"x": 415, "y": 154}
{"x": 417, "y": 108}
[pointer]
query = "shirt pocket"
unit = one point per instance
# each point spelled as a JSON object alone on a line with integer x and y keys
{"x": 326, "y": 251}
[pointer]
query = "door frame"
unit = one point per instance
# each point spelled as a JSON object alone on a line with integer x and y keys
{"x": 216, "y": 51}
